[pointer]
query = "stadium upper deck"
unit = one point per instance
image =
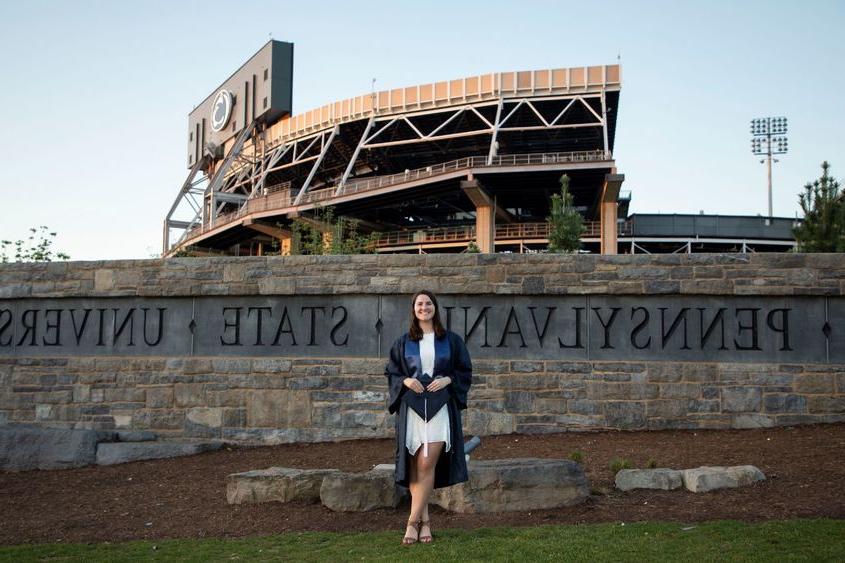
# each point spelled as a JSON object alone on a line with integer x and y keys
{"x": 429, "y": 168}
{"x": 474, "y": 151}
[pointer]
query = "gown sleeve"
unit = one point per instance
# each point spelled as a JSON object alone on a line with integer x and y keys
{"x": 395, "y": 373}
{"x": 461, "y": 371}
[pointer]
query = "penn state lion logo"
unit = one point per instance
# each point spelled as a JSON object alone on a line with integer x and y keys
{"x": 221, "y": 110}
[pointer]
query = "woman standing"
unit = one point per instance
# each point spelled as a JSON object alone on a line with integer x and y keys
{"x": 429, "y": 373}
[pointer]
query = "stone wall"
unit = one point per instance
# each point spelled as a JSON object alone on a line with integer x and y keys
{"x": 280, "y": 399}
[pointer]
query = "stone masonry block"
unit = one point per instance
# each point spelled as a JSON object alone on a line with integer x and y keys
{"x": 578, "y": 421}
{"x": 710, "y": 392}
{"x": 584, "y": 406}
{"x": 486, "y": 423}
{"x": 666, "y": 408}
{"x": 228, "y": 365}
{"x": 680, "y": 390}
{"x": 814, "y": 383}
{"x": 781, "y": 403}
{"x": 234, "y": 418}
{"x": 826, "y": 404}
{"x": 519, "y": 401}
{"x": 629, "y": 391}
{"x": 124, "y": 395}
{"x": 741, "y": 399}
{"x": 271, "y": 365}
{"x": 539, "y": 381}
{"x": 81, "y": 393}
{"x": 752, "y": 420}
{"x": 204, "y": 416}
{"x": 664, "y": 373}
{"x": 701, "y": 373}
{"x": 703, "y": 405}
{"x": 226, "y": 397}
{"x": 189, "y": 394}
{"x": 625, "y": 415}
{"x": 526, "y": 367}
{"x": 278, "y": 408}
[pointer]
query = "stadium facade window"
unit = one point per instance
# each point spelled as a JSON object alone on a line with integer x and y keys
{"x": 266, "y": 74}
{"x": 265, "y": 103}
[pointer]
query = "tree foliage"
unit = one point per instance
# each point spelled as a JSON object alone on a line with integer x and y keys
{"x": 37, "y": 247}
{"x": 565, "y": 223}
{"x": 327, "y": 234}
{"x": 823, "y": 204}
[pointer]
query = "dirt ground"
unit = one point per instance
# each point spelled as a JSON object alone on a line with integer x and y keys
{"x": 186, "y": 497}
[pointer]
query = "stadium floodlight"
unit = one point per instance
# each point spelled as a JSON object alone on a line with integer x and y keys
{"x": 768, "y": 138}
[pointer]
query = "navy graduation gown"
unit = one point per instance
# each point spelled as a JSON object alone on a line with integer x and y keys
{"x": 451, "y": 359}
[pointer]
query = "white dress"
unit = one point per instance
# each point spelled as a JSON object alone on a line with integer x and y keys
{"x": 417, "y": 431}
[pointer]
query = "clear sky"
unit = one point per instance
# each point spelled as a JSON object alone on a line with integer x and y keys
{"x": 95, "y": 95}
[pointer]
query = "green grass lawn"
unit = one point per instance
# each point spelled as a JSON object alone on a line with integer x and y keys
{"x": 794, "y": 540}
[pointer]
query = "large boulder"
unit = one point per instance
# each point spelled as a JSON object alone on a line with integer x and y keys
{"x": 516, "y": 484}
{"x": 359, "y": 492}
{"x": 660, "y": 478}
{"x": 703, "y": 479}
{"x": 124, "y": 452}
{"x": 277, "y": 484}
{"x": 30, "y": 447}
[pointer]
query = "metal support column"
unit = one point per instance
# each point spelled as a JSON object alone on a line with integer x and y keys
{"x": 354, "y": 157}
{"x": 316, "y": 166}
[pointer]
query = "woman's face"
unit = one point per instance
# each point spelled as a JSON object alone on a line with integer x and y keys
{"x": 423, "y": 308}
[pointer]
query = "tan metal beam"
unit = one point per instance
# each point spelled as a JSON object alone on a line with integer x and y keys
{"x": 267, "y": 229}
{"x": 609, "y": 205}
{"x": 485, "y": 220}
{"x": 480, "y": 198}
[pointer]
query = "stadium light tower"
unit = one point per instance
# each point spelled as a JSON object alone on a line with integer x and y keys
{"x": 768, "y": 138}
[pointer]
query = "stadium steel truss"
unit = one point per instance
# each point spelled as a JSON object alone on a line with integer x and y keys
{"x": 429, "y": 168}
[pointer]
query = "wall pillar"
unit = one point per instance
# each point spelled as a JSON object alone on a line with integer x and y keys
{"x": 485, "y": 215}
{"x": 485, "y": 229}
{"x": 608, "y": 209}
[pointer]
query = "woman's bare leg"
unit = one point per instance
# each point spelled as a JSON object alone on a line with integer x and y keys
{"x": 411, "y": 532}
{"x": 422, "y": 482}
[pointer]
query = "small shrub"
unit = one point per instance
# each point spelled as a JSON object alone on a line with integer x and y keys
{"x": 577, "y": 456}
{"x": 651, "y": 463}
{"x": 620, "y": 463}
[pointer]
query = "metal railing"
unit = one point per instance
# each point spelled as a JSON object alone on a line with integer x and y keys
{"x": 366, "y": 184}
{"x": 281, "y": 198}
{"x": 505, "y": 231}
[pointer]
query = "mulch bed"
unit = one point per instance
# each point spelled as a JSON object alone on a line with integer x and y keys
{"x": 186, "y": 497}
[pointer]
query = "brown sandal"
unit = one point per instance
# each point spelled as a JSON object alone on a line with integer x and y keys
{"x": 425, "y": 539}
{"x": 410, "y": 540}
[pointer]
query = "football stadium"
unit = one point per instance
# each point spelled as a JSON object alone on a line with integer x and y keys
{"x": 464, "y": 164}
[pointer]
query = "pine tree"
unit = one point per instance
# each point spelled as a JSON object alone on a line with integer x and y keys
{"x": 565, "y": 223}
{"x": 823, "y": 228}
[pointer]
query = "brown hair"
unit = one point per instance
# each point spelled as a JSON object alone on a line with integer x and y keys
{"x": 415, "y": 332}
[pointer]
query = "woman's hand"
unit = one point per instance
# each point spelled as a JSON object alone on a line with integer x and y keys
{"x": 413, "y": 384}
{"x": 439, "y": 384}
